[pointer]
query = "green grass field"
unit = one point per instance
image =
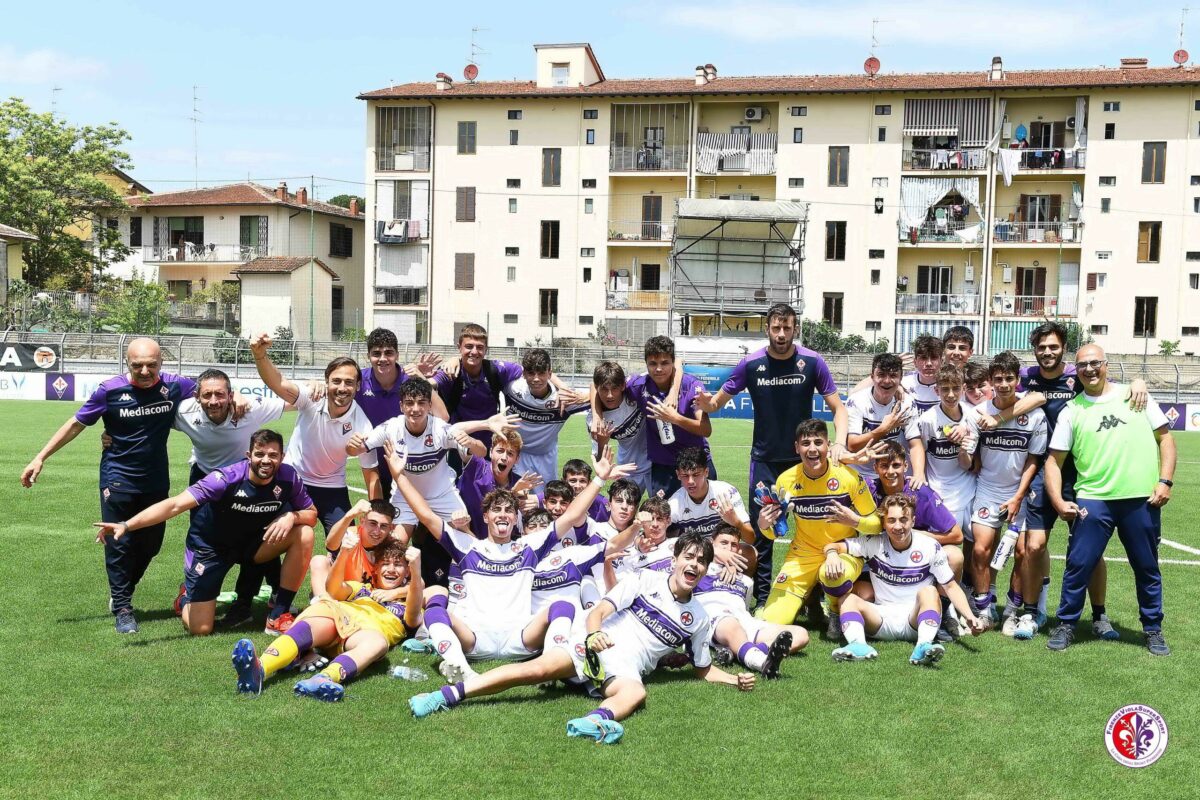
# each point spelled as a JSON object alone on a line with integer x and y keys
{"x": 89, "y": 713}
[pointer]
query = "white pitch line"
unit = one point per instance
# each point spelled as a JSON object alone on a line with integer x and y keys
{"x": 1185, "y": 548}
{"x": 356, "y": 489}
{"x": 1177, "y": 561}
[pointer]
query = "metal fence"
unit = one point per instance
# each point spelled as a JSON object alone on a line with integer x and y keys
{"x": 1176, "y": 382}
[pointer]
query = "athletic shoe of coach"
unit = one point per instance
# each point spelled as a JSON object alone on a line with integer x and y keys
{"x": 125, "y": 621}
{"x": 1061, "y": 637}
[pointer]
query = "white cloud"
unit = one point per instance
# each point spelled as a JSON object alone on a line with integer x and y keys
{"x": 36, "y": 67}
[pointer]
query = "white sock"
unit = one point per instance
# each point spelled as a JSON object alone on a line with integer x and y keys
{"x": 853, "y": 631}
{"x": 589, "y": 592}
{"x": 1041, "y": 604}
{"x": 445, "y": 643}
{"x": 926, "y": 631}
{"x": 558, "y": 633}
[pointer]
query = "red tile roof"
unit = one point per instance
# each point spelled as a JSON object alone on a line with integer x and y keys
{"x": 794, "y": 84}
{"x": 233, "y": 194}
{"x": 9, "y": 233}
{"x": 282, "y": 264}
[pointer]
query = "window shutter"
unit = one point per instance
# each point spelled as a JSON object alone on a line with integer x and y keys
{"x": 1056, "y": 207}
{"x": 464, "y": 270}
{"x": 1091, "y": 281}
{"x": 1143, "y": 241}
{"x": 1023, "y": 208}
{"x": 1058, "y": 131}
{"x": 464, "y": 204}
{"x": 1039, "y": 281}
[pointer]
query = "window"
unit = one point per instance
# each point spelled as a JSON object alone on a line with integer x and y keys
{"x": 512, "y": 251}
{"x": 1096, "y": 280}
{"x": 1197, "y": 106}
{"x": 835, "y": 241}
{"x": 883, "y": 111}
{"x": 1105, "y": 205}
{"x": 839, "y": 166}
{"x": 341, "y": 240}
{"x": 589, "y": 205}
{"x": 135, "y": 231}
{"x": 586, "y": 320}
{"x": 514, "y": 136}
{"x": 466, "y": 138}
{"x": 551, "y": 166}
{"x": 1103, "y": 255}
{"x": 512, "y": 274}
{"x": 1196, "y": 205}
{"x": 831, "y": 310}
{"x": 799, "y": 111}
{"x": 587, "y": 274}
{"x": 587, "y": 252}
{"x": 874, "y": 254}
{"x": 252, "y": 235}
{"x": 874, "y": 277}
{"x": 510, "y": 319}
{"x": 514, "y": 183}
{"x": 1192, "y": 255}
{"x": 589, "y": 136}
{"x": 795, "y": 183}
{"x": 874, "y": 325}
{"x": 879, "y": 183}
{"x": 512, "y": 205}
{"x": 1108, "y": 180}
{"x": 550, "y": 238}
{"x": 1154, "y": 162}
{"x": 560, "y": 74}
{"x": 1190, "y": 331}
{"x": 548, "y": 306}
{"x": 464, "y": 204}
{"x": 591, "y": 113}
{"x": 881, "y": 134}
{"x": 589, "y": 183}
{"x": 1196, "y": 180}
{"x": 1112, "y": 105}
{"x": 1149, "y": 241}
{"x": 798, "y": 135}
{"x": 464, "y": 270}
{"x": 514, "y": 114}
{"x": 650, "y": 279}
{"x": 1100, "y": 330}
{"x": 1194, "y": 280}
{"x": 1110, "y": 130}
{"x": 1145, "y": 317}
{"x": 510, "y": 342}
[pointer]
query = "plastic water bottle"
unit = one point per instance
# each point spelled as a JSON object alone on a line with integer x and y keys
{"x": 1004, "y": 550}
{"x": 767, "y": 496}
{"x": 666, "y": 431}
{"x": 406, "y": 673}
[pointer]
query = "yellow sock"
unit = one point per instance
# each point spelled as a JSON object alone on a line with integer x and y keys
{"x": 334, "y": 672}
{"x": 283, "y": 651}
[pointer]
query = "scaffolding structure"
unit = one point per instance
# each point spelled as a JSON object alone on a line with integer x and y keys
{"x": 731, "y": 260}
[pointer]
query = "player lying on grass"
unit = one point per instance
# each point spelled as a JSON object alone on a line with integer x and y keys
{"x": 645, "y": 617}
{"x": 360, "y": 621}
{"x": 374, "y": 525}
{"x": 904, "y": 567}
{"x": 252, "y": 512}
{"x": 493, "y": 617}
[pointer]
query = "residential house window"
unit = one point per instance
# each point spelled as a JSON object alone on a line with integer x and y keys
{"x": 252, "y": 235}
{"x": 798, "y": 135}
{"x": 548, "y": 306}
{"x": 1096, "y": 280}
{"x": 1110, "y": 130}
{"x": 182, "y": 231}
{"x": 1196, "y": 180}
{"x": 587, "y": 252}
{"x": 1194, "y": 280}
{"x": 1103, "y": 255}
{"x": 514, "y": 114}
{"x": 402, "y": 137}
{"x": 510, "y": 319}
{"x": 650, "y": 279}
{"x": 795, "y": 183}
{"x": 341, "y": 240}
{"x": 874, "y": 325}
{"x": 512, "y": 274}
{"x": 1145, "y": 317}
{"x": 135, "y": 231}
{"x": 1099, "y": 330}
{"x": 1197, "y": 106}
{"x": 560, "y": 74}
{"x": 879, "y": 183}
{"x": 1192, "y": 255}
{"x": 591, "y": 113}
{"x": 883, "y": 111}
{"x": 589, "y": 183}
{"x": 512, "y": 251}
{"x": 799, "y": 111}
{"x": 588, "y": 205}
{"x": 1154, "y": 162}
{"x": 514, "y": 136}
{"x": 1108, "y": 180}
{"x": 881, "y": 134}
{"x": 464, "y": 270}
{"x": 589, "y": 136}
{"x": 464, "y": 204}
{"x": 874, "y": 277}
{"x": 839, "y": 166}
{"x": 550, "y": 238}
{"x": 1112, "y": 105}
{"x": 587, "y": 274}
{"x": 1196, "y": 205}
{"x": 551, "y": 166}
{"x": 1190, "y": 331}
{"x": 1105, "y": 205}
{"x": 513, "y": 183}
{"x": 512, "y": 205}
{"x": 831, "y": 309}
{"x": 586, "y": 320}
{"x": 835, "y": 241}
{"x": 1149, "y": 241}
{"x": 874, "y": 254}
{"x": 466, "y": 138}
{"x": 180, "y": 290}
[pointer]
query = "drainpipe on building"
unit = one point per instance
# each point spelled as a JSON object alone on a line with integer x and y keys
{"x": 988, "y": 242}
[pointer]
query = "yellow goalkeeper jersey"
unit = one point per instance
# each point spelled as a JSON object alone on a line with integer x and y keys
{"x": 807, "y": 500}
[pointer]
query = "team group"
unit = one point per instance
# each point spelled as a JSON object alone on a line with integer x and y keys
{"x": 900, "y": 518}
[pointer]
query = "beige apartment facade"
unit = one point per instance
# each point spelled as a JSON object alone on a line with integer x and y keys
{"x": 993, "y": 199}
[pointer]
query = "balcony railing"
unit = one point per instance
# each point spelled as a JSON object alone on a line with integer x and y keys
{"x": 401, "y": 296}
{"x": 1038, "y": 232}
{"x": 947, "y": 230}
{"x": 643, "y": 231}
{"x": 662, "y": 158}
{"x": 714, "y": 296}
{"x": 741, "y": 153}
{"x": 400, "y": 231}
{"x": 204, "y": 314}
{"x": 638, "y": 299}
{"x": 1052, "y": 158}
{"x": 937, "y": 303}
{"x": 957, "y": 158}
{"x": 229, "y": 253}
{"x": 1025, "y": 305}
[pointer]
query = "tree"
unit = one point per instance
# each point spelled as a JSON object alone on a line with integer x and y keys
{"x": 343, "y": 200}
{"x": 1166, "y": 347}
{"x": 135, "y": 307}
{"x": 50, "y": 180}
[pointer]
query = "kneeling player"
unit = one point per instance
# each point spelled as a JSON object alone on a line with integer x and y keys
{"x": 353, "y": 618}
{"x": 645, "y": 617}
{"x": 904, "y": 566}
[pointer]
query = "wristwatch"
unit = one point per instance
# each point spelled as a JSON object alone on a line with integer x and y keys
{"x": 1166, "y": 482}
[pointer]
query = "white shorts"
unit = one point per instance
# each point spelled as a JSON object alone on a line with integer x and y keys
{"x": 895, "y": 626}
{"x": 618, "y": 661}
{"x": 985, "y": 510}
{"x": 445, "y": 507}
{"x": 544, "y": 464}
{"x": 750, "y": 624}
{"x": 493, "y": 643}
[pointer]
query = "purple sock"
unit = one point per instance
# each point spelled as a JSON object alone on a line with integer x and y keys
{"x": 454, "y": 694}
{"x": 602, "y": 713}
{"x": 852, "y": 616}
{"x": 743, "y": 650}
{"x": 348, "y": 668}
{"x": 929, "y": 616}
{"x": 301, "y": 634}
{"x": 560, "y": 609}
{"x": 435, "y": 614}
{"x": 437, "y": 601}
{"x": 762, "y": 647}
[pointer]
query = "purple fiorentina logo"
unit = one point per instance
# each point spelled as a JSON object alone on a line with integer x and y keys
{"x": 1136, "y": 736}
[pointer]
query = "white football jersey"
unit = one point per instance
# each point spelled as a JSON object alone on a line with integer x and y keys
{"x": 583, "y": 533}
{"x": 317, "y": 448}
{"x": 955, "y": 485}
{"x": 650, "y": 622}
{"x": 628, "y": 424}
{"x": 428, "y": 468}
{"x": 866, "y": 415}
{"x": 496, "y": 579}
{"x": 704, "y": 516}
{"x": 722, "y": 599}
{"x": 559, "y": 575}
{"x": 1002, "y": 451}
{"x": 924, "y": 397}
{"x": 897, "y": 575}
{"x": 633, "y": 560}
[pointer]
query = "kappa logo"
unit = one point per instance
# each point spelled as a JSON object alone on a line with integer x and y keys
{"x": 1023, "y": 420}
{"x": 1108, "y": 422}
{"x": 916, "y": 557}
{"x": 368, "y": 393}
{"x": 125, "y": 398}
{"x": 277, "y": 491}
{"x": 832, "y": 484}
{"x": 345, "y": 428}
{"x": 761, "y": 368}
{"x": 686, "y": 618}
{"x": 687, "y": 511}
{"x": 241, "y": 493}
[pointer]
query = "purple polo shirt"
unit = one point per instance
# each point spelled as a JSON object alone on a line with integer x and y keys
{"x": 931, "y": 515}
{"x": 478, "y": 401}
{"x": 476, "y": 480}
{"x": 643, "y": 389}
{"x": 598, "y": 511}
{"x": 377, "y": 403}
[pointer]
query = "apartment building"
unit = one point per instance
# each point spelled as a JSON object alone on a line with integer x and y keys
{"x": 994, "y": 199}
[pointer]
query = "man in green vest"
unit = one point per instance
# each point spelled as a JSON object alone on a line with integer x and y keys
{"x": 1126, "y": 461}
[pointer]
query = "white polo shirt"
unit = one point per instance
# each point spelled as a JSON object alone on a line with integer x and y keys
{"x": 317, "y": 449}
{"x": 219, "y": 444}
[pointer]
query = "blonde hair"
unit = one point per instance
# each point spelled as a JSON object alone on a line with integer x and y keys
{"x": 512, "y": 439}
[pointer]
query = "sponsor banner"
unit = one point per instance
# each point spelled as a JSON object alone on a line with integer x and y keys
{"x": 714, "y": 376}
{"x": 78, "y": 387}
{"x": 1192, "y": 422}
{"x": 22, "y": 385}
{"x": 24, "y": 357}
{"x": 1177, "y": 415}
{"x": 60, "y": 386}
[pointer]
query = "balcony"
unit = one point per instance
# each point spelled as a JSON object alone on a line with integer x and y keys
{"x": 1042, "y": 159}
{"x": 401, "y": 296}
{"x": 401, "y": 231}
{"x": 639, "y": 231}
{"x": 205, "y": 315}
{"x": 1025, "y": 305}
{"x": 736, "y": 153}
{"x": 947, "y": 231}
{"x": 723, "y": 296}
{"x": 649, "y": 137}
{"x": 1069, "y": 233}
{"x": 637, "y": 300}
{"x": 957, "y": 304}
{"x": 664, "y": 158}
{"x": 212, "y": 253}
{"x": 402, "y": 138}
{"x": 966, "y": 158}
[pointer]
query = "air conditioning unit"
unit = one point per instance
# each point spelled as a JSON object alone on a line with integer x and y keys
{"x": 754, "y": 113}
{"x": 1070, "y": 123}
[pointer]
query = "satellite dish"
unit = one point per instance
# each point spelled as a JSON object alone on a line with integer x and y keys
{"x": 871, "y": 66}
{"x": 1181, "y": 57}
{"x": 470, "y": 72}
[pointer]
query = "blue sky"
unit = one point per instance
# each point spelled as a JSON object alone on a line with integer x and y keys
{"x": 278, "y": 80}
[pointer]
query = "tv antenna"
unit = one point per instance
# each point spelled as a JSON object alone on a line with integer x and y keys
{"x": 476, "y": 51}
{"x": 1181, "y": 55}
{"x": 54, "y": 99}
{"x": 195, "y": 118}
{"x": 875, "y": 44}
